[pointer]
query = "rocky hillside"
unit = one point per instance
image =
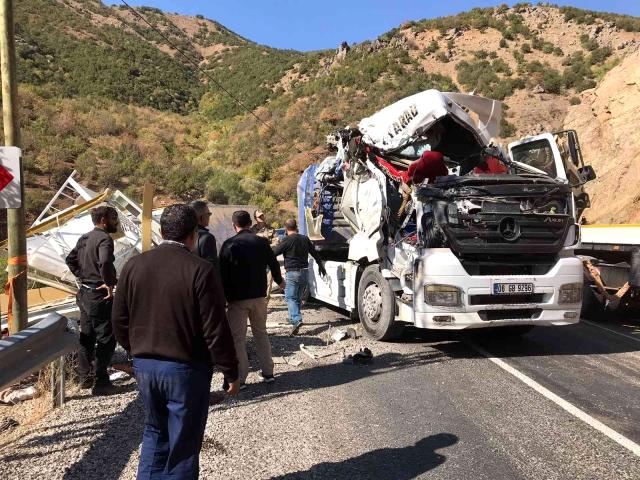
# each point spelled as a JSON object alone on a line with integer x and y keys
{"x": 107, "y": 94}
{"x": 607, "y": 122}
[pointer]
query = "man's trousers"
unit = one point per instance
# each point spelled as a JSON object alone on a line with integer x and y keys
{"x": 254, "y": 309}
{"x": 175, "y": 396}
{"x": 96, "y": 334}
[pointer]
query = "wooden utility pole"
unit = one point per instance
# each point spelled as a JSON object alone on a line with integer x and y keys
{"x": 147, "y": 212}
{"x": 17, "y": 245}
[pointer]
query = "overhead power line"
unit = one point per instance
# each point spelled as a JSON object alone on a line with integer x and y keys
{"x": 199, "y": 68}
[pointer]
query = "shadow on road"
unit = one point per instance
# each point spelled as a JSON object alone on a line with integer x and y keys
{"x": 334, "y": 374}
{"x": 578, "y": 339}
{"x": 401, "y": 463}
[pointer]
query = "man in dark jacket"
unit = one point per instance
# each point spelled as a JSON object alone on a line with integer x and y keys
{"x": 169, "y": 314}
{"x": 244, "y": 259}
{"x": 206, "y": 246}
{"x": 91, "y": 261}
{"x": 296, "y": 249}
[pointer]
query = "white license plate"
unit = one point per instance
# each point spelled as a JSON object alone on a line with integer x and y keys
{"x": 512, "y": 288}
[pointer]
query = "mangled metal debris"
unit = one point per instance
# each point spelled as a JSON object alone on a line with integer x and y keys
{"x": 63, "y": 221}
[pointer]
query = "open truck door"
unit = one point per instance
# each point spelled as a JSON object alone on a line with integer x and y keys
{"x": 557, "y": 155}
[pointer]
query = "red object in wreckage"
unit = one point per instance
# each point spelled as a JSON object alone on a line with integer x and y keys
{"x": 491, "y": 165}
{"x": 429, "y": 166}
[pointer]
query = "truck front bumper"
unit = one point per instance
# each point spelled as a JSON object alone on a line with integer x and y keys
{"x": 479, "y": 308}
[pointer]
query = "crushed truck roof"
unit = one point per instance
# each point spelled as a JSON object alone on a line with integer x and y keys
{"x": 404, "y": 121}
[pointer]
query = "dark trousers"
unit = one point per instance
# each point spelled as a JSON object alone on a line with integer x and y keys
{"x": 96, "y": 334}
{"x": 175, "y": 396}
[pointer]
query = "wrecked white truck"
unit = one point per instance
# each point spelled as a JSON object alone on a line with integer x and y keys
{"x": 488, "y": 242}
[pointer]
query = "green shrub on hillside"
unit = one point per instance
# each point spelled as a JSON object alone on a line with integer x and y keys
{"x": 580, "y": 16}
{"x": 507, "y": 129}
{"x": 599, "y": 55}
{"x": 578, "y": 74}
{"x": 109, "y": 63}
{"x": 544, "y": 75}
{"x": 223, "y": 186}
{"x": 588, "y": 43}
{"x": 250, "y": 73}
{"x": 500, "y": 66}
{"x": 480, "y": 76}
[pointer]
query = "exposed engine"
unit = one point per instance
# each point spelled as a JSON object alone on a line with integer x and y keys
{"x": 505, "y": 214}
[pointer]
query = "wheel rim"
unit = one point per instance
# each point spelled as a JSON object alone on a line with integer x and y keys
{"x": 372, "y": 303}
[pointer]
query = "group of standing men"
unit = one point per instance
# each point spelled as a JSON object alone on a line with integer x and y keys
{"x": 178, "y": 310}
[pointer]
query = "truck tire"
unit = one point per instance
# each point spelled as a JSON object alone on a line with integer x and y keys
{"x": 377, "y": 305}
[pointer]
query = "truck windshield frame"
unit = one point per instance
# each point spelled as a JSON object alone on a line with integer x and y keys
{"x": 537, "y": 154}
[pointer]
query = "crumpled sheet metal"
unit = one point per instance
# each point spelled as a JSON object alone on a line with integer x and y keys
{"x": 401, "y": 123}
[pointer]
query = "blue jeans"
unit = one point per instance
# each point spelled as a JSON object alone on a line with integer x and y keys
{"x": 175, "y": 396}
{"x": 296, "y": 281}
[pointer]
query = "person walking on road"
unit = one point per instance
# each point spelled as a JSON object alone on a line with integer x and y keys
{"x": 206, "y": 245}
{"x": 91, "y": 261}
{"x": 169, "y": 313}
{"x": 244, "y": 259}
{"x": 296, "y": 249}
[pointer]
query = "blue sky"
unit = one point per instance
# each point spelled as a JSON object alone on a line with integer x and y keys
{"x": 314, "y": 25}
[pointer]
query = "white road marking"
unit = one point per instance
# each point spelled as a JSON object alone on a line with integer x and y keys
{"x": 625, "y": 335}
{"x": 562, "y": 403}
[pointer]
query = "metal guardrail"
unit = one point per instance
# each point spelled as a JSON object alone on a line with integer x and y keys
{"x": 30, "y": 349}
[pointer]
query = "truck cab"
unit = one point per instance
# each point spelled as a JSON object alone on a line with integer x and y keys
{"x": 469, "y": 250}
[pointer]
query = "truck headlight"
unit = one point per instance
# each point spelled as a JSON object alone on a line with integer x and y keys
{"x": 443, "y": 295}
{"x": 570, "y": 293}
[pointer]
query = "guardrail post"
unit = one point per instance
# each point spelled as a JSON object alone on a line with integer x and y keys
{"x": 57, "y": 382}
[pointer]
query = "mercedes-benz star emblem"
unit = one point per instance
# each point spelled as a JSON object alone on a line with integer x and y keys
{"x": 509, "y": 229}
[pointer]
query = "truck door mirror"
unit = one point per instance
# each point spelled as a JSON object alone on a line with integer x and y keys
{"x": 587, "y": 173}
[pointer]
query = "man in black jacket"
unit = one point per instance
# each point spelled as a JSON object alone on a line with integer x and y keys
{"x": 206, "y": 246}
{"x": 169, "y": 313}
{"x": 91, "y": 261}
{"x": 244, "y": 259}
{"x": 296, "y": 249}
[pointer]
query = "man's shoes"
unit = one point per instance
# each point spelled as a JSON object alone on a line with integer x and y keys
{"x": 266, "y": 378}
{"x": 104, "y": 387}
{"x": 225, "y": 386}
{"x": 295, "y": 329}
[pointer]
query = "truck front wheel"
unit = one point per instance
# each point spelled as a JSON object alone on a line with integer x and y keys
{"x": 377, "y": 305}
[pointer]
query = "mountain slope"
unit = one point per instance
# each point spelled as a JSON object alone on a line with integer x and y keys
{"x": 106, "y": 93}
{"x": 607, "y": 123}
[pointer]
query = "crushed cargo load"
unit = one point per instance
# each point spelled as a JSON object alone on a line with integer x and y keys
{"x": 54, "y": 234}
{"x": 57, "y": 230}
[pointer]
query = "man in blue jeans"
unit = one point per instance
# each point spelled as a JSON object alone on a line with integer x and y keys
{"x": 296, "y": 249}
{"x": 169, "y": 313}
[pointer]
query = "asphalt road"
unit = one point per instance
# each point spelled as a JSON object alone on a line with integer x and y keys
{"x": 446, "y": 411}
{"x": 559, "y": 403}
